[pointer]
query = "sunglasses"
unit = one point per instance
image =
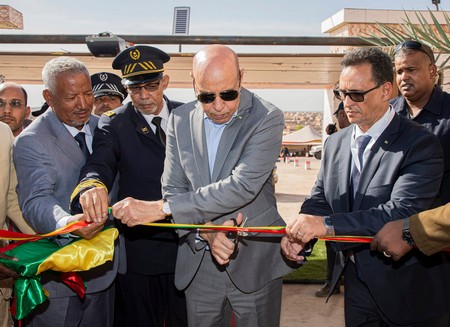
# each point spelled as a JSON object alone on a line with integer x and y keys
{"x": 415, "y": 46}
{"x": 208, "y": 97}
{"x": 149, "y": 87}
{"x": 228, "y": 95}
{"x": 14, "y": 103}
{"x": 357, "y": 96}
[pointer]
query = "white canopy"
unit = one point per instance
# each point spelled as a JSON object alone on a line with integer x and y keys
{"x": 305, "y": 136}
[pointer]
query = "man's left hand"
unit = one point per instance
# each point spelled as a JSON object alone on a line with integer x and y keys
{"x": 306, "y": 227}
{"x": 221, "y": 246}
{"x": 389, "y": 240}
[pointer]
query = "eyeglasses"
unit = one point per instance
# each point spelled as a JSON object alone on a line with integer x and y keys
{"x": 149, "y": 87}
{"x": 357, "y": 96}
{"x": 415, "y": 46}
{"x": 14, "y": 103}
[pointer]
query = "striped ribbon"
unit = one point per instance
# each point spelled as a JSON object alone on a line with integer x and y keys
{"x": 15, "y": 236}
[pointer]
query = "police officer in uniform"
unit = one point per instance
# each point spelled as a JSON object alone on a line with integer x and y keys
{"x": 130, "y": 140}
{"x": 109, "y": 92}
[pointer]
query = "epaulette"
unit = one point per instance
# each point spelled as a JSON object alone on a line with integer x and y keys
{"x": 110, "y": 113}
{"x": 86, "y": 184}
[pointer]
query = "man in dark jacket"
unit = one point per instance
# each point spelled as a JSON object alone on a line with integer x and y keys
{"x": 130, "y": 140}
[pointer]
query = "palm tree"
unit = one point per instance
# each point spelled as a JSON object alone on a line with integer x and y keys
{"x": 431, "y": 34}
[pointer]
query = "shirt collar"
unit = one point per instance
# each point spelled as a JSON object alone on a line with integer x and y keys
{"x": 164, "y": 113}
{"x": 74, "y": 131}
{"x": 378, "y": 128}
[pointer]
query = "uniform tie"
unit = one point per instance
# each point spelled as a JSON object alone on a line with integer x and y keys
{"x": 81, "y": 139}
{"x": 159, "y": 131}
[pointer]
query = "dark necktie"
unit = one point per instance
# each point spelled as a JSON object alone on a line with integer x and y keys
{"x": 159, "y": 131}
{"x": 80, "y": 138}
{"x": 361, "y": 142}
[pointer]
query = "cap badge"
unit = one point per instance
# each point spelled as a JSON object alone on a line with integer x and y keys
{"x": 103, "y": 77}
{"x": 135, "y": 54}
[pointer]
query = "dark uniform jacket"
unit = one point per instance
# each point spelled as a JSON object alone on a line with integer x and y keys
{"x": 435, "y": 117}
{"x": 124, "y": 143}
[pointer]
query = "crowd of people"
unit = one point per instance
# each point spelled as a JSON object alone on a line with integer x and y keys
{"x": 93, "y": 156}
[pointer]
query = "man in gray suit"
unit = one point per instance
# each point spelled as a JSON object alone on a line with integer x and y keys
{"x": 220, "y": 154}
{"x": 396, "y": 173}
{"x": 48, "y": 156}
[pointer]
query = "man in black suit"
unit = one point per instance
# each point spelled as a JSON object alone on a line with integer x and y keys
{"x": 387, "y": 168}
{"x": 422, "y": 100}
{"x": 130, "y": 140}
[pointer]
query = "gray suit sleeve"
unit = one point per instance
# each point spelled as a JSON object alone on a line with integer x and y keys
{"x": 36, "y": 174}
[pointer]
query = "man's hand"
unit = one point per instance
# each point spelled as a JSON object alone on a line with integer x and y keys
{"x": 90, "y": 230}
{"x": 94, "y": 202}
{"x": 306, "y": 227}
{"x": 6, "y": 272}
{"x": 389, "y": 240}
{"x": 221, "y": 246}
{"x": 134, "y": 212}
{"x": 291, "y": 247}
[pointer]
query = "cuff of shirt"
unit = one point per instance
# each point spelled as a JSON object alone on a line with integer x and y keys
{"x": 62, "y": 222}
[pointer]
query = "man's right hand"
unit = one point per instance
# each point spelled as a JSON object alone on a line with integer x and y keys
{"x": 90, "y": 230}
{"x": 6, "y": 272}
{"x": 94, "y": 202}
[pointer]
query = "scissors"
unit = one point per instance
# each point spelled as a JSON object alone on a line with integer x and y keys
{"x": 235, "y": 235}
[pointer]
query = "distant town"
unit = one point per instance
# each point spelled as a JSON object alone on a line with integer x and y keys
{"x": 294, "y": 120}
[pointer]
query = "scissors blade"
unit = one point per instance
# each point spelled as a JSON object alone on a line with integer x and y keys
{"x": 242, "y": 233}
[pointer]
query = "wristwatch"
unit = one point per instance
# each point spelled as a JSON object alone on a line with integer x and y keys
{"x": 166, "y": 208}
{"x": 328, "y": 225}
{"x": 406, "y": 235}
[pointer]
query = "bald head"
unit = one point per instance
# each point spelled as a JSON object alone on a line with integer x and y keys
{"x": 213, "y": 61}
{"x": 217, "y": 82}
{"x": 11, "y": 85}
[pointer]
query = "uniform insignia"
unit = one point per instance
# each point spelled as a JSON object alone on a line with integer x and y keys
{"x": 135, "y": 54}
{"x": 144, "y": 129}
{"x": 103, "y": 77}
{"x": 110, "y": 113}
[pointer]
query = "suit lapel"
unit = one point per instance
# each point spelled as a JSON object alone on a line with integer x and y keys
{"x": 376, "y": 153}
{"x": 142, "y": 127}
{"x": 63, "y": 139}
{"x": 230, "y": 133}
{"x": 345, "y": 164}
{"x": 199, "y": 144}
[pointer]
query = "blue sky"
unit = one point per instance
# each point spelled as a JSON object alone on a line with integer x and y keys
{"x": 228, "y": 18}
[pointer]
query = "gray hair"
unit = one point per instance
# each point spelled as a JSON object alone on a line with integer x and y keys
{"x": 58, "y": 66}
{"x": 381, "y": 63}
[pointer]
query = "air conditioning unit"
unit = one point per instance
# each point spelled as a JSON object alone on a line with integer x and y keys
{"x": 105, "y": 44}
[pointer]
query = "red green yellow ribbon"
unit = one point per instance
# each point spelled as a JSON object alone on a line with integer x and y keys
{"x": 42, "y": 255}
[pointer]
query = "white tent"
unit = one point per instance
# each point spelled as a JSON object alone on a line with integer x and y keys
{"x": 305, "y": 136}
{"x": 300, "y": 142}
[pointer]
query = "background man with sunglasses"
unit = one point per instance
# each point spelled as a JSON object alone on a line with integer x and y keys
{"x": 396, "y": 175}
{"x": 221, "y": 151}
{"x": 130, "y": 140}
{"x": 425, "y": 103}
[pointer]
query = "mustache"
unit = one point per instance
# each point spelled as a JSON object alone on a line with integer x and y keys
{"x": 5, "y": 115}
{"x": 82, "y": 110}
